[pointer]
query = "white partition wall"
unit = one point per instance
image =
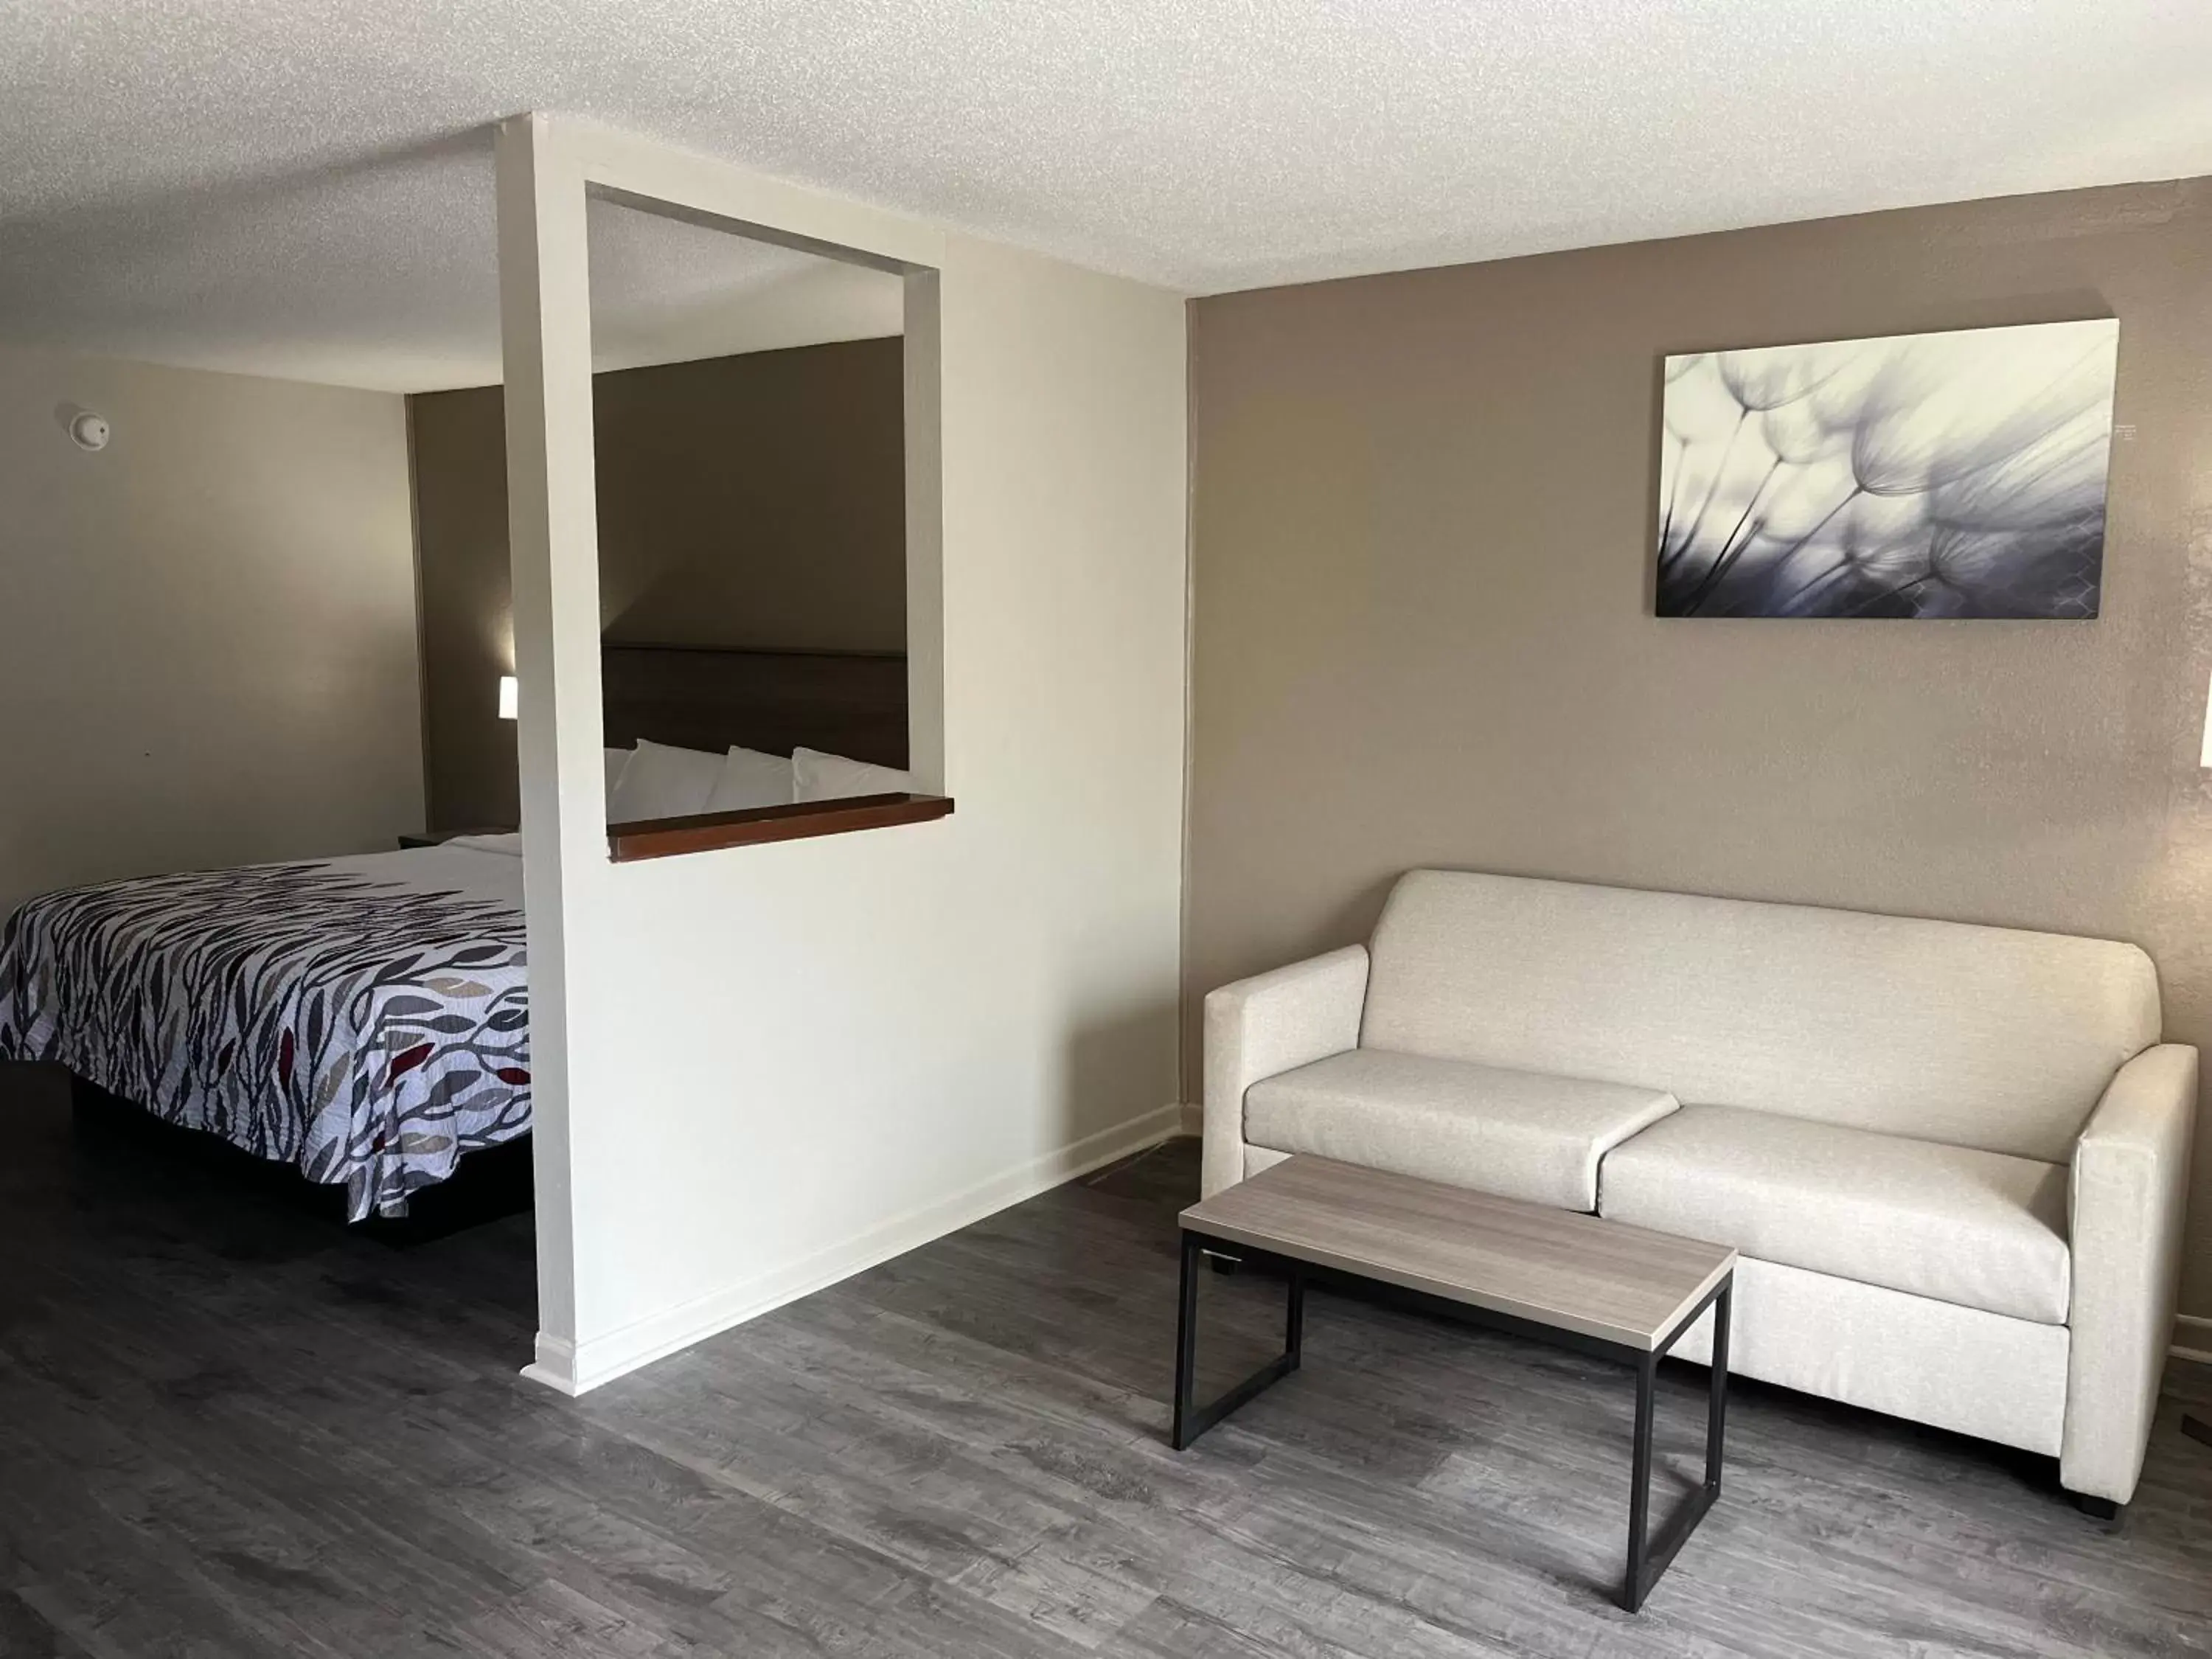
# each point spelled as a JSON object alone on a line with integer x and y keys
{"x": 762, "y": 1068}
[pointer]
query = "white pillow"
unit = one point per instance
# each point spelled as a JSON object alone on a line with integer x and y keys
{"x": 662, "y": 781}
{"x": 818, "y": 776}
{"x": 616, "y": 759}
{"x": 751, "y": 779}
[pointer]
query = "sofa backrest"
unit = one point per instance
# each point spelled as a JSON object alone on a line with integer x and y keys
{"x": 1977, "y": 1037}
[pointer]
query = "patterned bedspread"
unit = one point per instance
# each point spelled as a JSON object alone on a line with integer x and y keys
{"x": 365, "y": 1019}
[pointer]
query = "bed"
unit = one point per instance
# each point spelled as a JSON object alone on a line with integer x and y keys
{"x": 366, "y": 1018}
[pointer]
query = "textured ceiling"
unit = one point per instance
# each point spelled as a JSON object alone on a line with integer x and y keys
{"x": 301, "y": 186}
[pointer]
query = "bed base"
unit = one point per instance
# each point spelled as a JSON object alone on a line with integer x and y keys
{"x": 485, "y": 1186}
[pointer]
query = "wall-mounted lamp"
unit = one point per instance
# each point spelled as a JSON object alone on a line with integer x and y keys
{"x": 510, "y": 697}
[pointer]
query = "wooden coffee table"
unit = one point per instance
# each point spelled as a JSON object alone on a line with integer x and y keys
{"x": 1595, "y": 1285}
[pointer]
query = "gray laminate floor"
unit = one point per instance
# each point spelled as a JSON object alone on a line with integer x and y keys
{"x": 227, "y": 1430}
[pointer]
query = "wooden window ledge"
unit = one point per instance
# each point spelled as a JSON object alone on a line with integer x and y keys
{"x": 660, "y": 838}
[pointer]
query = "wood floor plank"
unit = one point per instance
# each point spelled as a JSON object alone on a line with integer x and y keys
{"x": 231, "y": 1428}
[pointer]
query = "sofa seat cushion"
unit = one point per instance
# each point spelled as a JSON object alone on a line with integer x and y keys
{"x": 1519, "y": 1134}
{"x": 1982, "y": 1230}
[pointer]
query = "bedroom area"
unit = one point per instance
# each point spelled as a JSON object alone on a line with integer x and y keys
{"x": 264, "y": 921}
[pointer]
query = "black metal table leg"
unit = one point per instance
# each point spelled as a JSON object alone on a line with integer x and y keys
{"x": 1192, "y": 1419}
{"x": 1649, "y": 1556}
{"x": 1186, "y": 1341}
{"x": 1639, "y": 1484}
{"x": 1717, "y": 1403}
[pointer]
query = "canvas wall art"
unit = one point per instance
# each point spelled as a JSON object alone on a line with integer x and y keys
{"x": 1959, "y": 474}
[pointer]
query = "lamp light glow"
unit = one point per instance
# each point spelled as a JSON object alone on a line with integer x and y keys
{"x": 510, "y": 697}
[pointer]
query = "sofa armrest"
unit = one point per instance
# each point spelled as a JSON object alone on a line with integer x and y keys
{"x": 2127, "y": 1205}
{"x": 1268, "y": 1023}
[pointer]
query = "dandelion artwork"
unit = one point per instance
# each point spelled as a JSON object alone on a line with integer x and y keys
{"x": 1925, "y": 475}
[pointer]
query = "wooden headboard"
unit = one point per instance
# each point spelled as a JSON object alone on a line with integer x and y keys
{"x": 850, "y": 703}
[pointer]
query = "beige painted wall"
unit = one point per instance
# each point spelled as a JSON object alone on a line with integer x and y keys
{"x": 748, "y": 501}
{"x": 207, "y": 629}
{"x": 1422, "y": 523}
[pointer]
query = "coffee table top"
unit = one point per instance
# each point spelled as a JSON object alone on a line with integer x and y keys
{"x": 1557, "y": 1267}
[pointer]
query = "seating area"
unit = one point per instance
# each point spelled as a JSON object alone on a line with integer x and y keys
{"x": 1952, "y": 1158}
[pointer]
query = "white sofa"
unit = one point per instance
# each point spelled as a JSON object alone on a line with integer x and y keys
{"x": 1954, "y": 1157}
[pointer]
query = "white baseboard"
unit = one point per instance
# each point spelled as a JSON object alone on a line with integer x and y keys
{"x": 2192, "y": 1338}
{"x": 575, "y": 1368}
{"x": 1194, "y": 1118}
{"x": 556, "y": 1364}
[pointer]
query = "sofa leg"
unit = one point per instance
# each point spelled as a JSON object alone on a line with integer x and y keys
{"x": 2098, "y": 1509}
